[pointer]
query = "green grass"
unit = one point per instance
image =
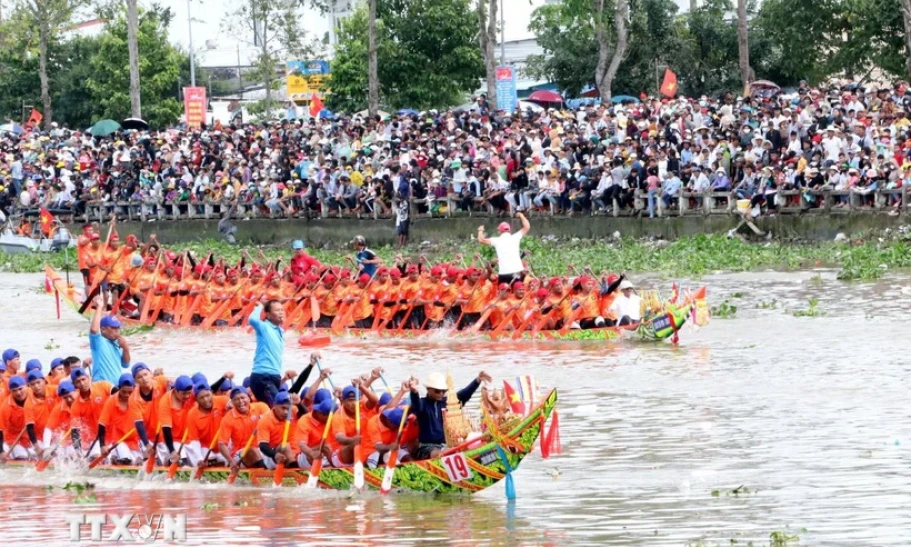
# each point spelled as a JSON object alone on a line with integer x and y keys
{"x": 690, "y": 256}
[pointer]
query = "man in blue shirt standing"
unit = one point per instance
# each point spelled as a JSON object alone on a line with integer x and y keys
{"x": 265, "y": 379}
{"x": 429, "y": 411}
{"x": 110, "y": 351}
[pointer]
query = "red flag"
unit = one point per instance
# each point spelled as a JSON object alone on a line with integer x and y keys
{"x": 35, "y": 118}
{"x": 46, "y": 220}
{"x": 669, "y": 87}
{"x": 518, "y": 407}
{"x": 316, "y": 105}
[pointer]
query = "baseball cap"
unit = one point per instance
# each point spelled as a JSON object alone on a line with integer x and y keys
{"x": 385, "y": 398}
{"x": 282, "y": 398}
{"x": 138, "y": 367}
{"x": 321, "y": 395}
{"x": 9, "y": 355}
{"x": 325, "y": 406}
{"x": 77, "y": 373}
{"x": 16, "y": 382}
{"x": 57, "y": 362}
{"x": 199, "y": 378}
{"x": 110, "y": 321}
{"x": 298, "y": 244}
{"x": 503, "y": 227}
{"x": 126, "y": 379}
{"x": 183, "y": 383}
{"x": 394, "y": 415}
{"x": 65, "y": 387}
{"x": 349, "y": 392}
{"x": 35, "y": 375}
{"x": 32, "y": 364}
{"x": 201, "y": 387}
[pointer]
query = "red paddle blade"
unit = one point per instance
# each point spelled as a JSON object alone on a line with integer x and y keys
{"x": 172, "y": 471}
{"x": 232, "y": 477}
{"x": 42, "y": 465}
{"x": 198, "y": 474}
{"x": 279, "y": 474}
{"x": 96, "y": 461}
{"x": 315, "y": 470}
{"x": 150, "y": 464}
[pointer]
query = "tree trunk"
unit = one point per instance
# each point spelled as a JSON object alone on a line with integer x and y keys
{"x": 373, "y": 80}
{"x": 43, "y": 38}
{"x": 906, "y": 18}
{"x": 133, "y": 46}
{"x": 694, "y": 5}
{"x": 609, "y": 62}
{"x": 487, "y": 35}
{"x": 743, "y": 46}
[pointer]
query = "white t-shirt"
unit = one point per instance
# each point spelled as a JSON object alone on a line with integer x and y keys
{"x": 631, "y": 306}
{"x": 509, "y": 258}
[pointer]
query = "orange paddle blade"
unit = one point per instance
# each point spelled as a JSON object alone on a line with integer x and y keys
{"x": 480, "y": 323}
{"x": 42, "y": 464}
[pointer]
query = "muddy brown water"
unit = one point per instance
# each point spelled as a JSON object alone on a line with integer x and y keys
{"x": 806, "y": 416}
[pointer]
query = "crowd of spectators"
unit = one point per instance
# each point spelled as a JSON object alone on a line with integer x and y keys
{"x": 573, "y": 162}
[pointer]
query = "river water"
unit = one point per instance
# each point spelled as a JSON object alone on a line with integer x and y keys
{"x": 758, "y": 424}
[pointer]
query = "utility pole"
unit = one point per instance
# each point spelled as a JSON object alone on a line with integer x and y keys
{"x": 240, "y": 76}
{"x": 192, "y": 55}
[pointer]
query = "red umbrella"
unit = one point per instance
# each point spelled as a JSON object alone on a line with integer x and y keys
{"x": 545, "y": 96}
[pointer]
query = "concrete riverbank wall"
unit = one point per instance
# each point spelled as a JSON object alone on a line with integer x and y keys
{"x": 335, "y": 232}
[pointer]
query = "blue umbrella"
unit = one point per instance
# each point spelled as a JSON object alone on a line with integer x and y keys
{"x": 408, "y": 112}
{"x": 12, "y": 128}
{"x": 617, "y": 99}
{"x": 326, "y": 114}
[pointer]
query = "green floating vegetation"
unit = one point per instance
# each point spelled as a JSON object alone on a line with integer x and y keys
{"x": 725, "y": 310}
{"x": 768, "y": 304}
{"x": 811, "y": 311}
{"x": 689, "y": 256}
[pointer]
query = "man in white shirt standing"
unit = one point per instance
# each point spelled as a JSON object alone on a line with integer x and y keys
{"x": 507, "y": 245}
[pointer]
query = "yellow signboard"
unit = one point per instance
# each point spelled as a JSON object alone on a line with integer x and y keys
{"x": 304, "y": 78}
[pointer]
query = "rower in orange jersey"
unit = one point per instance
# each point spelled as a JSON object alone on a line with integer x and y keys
{"x": 358, "y": 298}
{"x": 44, "y": 398}
{"x": 448, "y": 295}
{"x": 237, "y": 426}
{"x": 212, "y": 299}
{"x": 253, "y": 290}
{"x": 270, "y": 433}
{"x": 88, "y": 404}
{"x": 235, "y": 285}
{"x": 203, "y": 421}
{"x": 520, "y": 304}
{"x": 275, "y": 289}
{"x": 57, "y": 373}
{"x": 62, "y": 426}
{"x": 500, "y": 306}
{"x": 410, "y": 288}
{"x": 148, "y": 393}
{"x": 94, "y": 258}
{"x": 172, "y": 411}
{"x": 142, "y": 285}
{"x": 17, "y": 422}
{"x": 344, "y": 428}
{"x": 168, "y": 290}
{"x": 588, "y": 298}
{"x": 608, "y": 293}
{"x": 384, "y": 294}
{"x": 429, "y": 298}
{"x": 83, "y": 244}
{"x": 473, "y": 296}
{"x": 309, "y": 435}
{"x": 120, "y": 259}
{"x": 196, "y": 287}
{"x": 328, "y": 294}
{"x": 118, "y": 418}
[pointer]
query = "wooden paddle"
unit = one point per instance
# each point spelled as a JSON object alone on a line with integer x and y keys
{"x": 126, "y": 290}
{"x": 150, "y": 462}
{"x": 342, "y": 320}
{"x": 280, "y": 467}
{"x": 12, "y": 446}
{"x": 386, "y": 486}
{"x": 172, "y": 470}
{"x": 219, "y": 311}
{"x": 147, "y": 303}
{"x": 101, "y": 457}
{"x": 358, "y": 461}
{"x": 467, "y": 301}
{"x": 42, "y": 464}
{"x": 317, "y": 466}
{"x": 480, "y": 322}
{"x": 518, "y": 333}
{"x": 508, "y": 319}
{"x": 233, "y": 476}
{"x": 200, "y": 466}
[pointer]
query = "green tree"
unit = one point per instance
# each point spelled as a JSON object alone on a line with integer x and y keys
{"x": 159, "y": 67}
{"x": 427, "y": 52}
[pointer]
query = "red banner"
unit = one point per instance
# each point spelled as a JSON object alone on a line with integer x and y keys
{"x": 194, "y": 104}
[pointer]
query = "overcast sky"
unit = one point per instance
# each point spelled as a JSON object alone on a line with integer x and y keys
{"x": 208, "y": 16}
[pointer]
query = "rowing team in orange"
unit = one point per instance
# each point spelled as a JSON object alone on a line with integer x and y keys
{"x": 408, "y": 296}
{"x": 198, "y": 424}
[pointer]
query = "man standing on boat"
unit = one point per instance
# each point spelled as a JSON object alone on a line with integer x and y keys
{"x": 429, "y": 411}
{"x": 507, "y": 245}
{"x": 110, "y": 351}
{"x": 266, "y": 377}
